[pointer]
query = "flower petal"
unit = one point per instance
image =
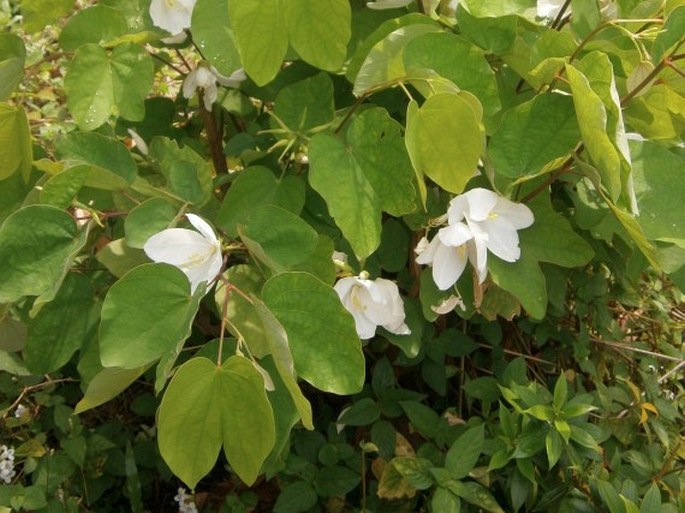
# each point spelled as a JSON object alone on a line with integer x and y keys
{"x": 426, "y": 252}
{"x": 481, "y": 202}
{"x": 517, "y": 215}
{"x": 455, "y": 234}
{"x": 448, "y": 265}
{"x": 478, "y": 256}
{"x": 203, "y": 227}
{"x": 177, "y": 246}
{"x": 190, "y": 84}
{"x": 503, "y": 239}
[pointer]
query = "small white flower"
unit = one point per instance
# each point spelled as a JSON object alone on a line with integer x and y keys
{"x": 387, "y": 4}
{"x": 172, "y": 15}
{"x": 7, "y": 471}
{"x": 20, "y": 411}
{"x": 372, "y": 303}
{"x": 550, "y": 8}
{"x": 198, "y": 255}
{"x": 205, "y": 78}
{"x": 138, "y": 141}
{"x": 339, "y": 258}
{"x": 186, "y": 502}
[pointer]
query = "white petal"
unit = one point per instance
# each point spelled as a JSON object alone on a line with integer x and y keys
{"x": 203, "y": 227}
{"x": 387, "y": 4}
{"x": 190, "y": 84}
{"x": 138, "y": 140}
{"x": 481, "y": 202}
{"x": 176, "y": 39}
{"x": 517, "y": 215}
{"x": 172, "y": 15}
{"x": 448, "y": 265}
{"x": 426, "y": 254}
{"x": 233, "y": 80}
{"x": 478, "y": 256}
{"x": 458, "y": 209}
{"x": 177, "y": 246}
{"x": 343, "y": 287}
{"x": 455, "y": 234}
{"x": 365, "y": 328}
{"x": 503, "y": 239}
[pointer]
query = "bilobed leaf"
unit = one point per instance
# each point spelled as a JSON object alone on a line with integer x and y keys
{"x": 319, "y": 31}
{"x": 533, "y": 134}
{"x": 213, "y": 34}
{"x": 132, "y": 76}
{"x": 465, "y": 451}
{"x": 277, "y": 237}
{"x": 16, "y": 153}
{"x": 260, "y": 34}
{"x": 493, "y": 34}
{"x": 12, "y": 58}
{"x": 457, "y": 60}
{"x": 145, "y": 315}
{"x": 306, "y": 104}
{"x": 61, "y": 326}
{"x": 97, "y": 24}
{"x": 37, "y": 245}
{"x": 321, "y": 333}
{"x": 254, "y": 187}
{"x": 205, "y": 407}
{"x": 148, "y": 218}
{"x": 445, "y": 139}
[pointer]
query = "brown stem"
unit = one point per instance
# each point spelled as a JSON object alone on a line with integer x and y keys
{"x": 564, "y": 168}
{"x": 214, "y": 138}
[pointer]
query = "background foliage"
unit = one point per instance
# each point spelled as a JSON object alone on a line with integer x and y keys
{"x": 555, "y": 385}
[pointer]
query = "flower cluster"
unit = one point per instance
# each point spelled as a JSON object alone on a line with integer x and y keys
{"x": 372, "y": 303}
{"x": 478, "y": 221}
{"x": 196, "y": 253}
{"x": 7, "y": 471}
{"x": 186, "y": 503}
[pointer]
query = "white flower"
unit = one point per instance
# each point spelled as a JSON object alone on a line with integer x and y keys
{"x": 372, "y": 303}
{"x": 387, "y": 4}
{"x": 198, "y": 255}
{"x": 550, "y": 8}
{"x": 20, "y": 411}
{"x": 205, "y": 78}
{"x": 478, "y": 220}
{"x": 138, "y": 141}
{"x": 7, "y": 471}
{"x": 186, "y": 503}
{"x": 172, "y": 15}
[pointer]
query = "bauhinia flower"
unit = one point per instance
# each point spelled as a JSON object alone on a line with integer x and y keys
{"x": 172, "y": 15}
{"x": 387, "y": 4}
{"x": 205, "y": 78}
{"x": 196, "y": 253}
{"x": 7, "y": 471}
{"x": 372, "y": 303}
{"x": 478, "y": 221}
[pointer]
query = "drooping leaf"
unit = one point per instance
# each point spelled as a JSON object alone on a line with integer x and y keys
{"x": 106, "y": 385}
{"x": 146, "y": 314}
{"x": 321, "y": 334}
{"x": 12, "y": 58}
{"x": 207, "y": 406}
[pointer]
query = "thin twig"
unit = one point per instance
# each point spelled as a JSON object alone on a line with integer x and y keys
{"x": 626, "y": 347}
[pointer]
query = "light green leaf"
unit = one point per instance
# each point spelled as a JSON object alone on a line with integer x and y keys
{"x": 445, "y": 139}
{"x": 148, "y": 218}
{"x": 560, "y": 392}
{"x": 212, "y": 33}
{"x": 37, "y": 14}
{"x": 554, "y": 444}
{"x": 119, "y": 259}
{"x": 145, "y": 315}
{"x": 306, "y": 104}
{"x": 12, "y": 58}
{"x": 321, "y": 333}
{"x": 534, "y": 134}
{"x": 278, "y": 238}
{"x": 320, "y": 263}
{"x": 99, "y": 84}
{"x": 254, "y": 187}
{"x": 106, "y": 385}
{"x": 61, "y": 326}
{"x": 319, "y": 31}
{"x": 457, "y": 60}
{"x": 98, "y": 24}
{"x": 277, "y": 340}
{"x": 261, "y": 36}
{"x": 463, "y": 455}
{"x": 206, "y": 406}
{"x": 16, "y": 153}
{"x": 496, "y": 8}
{"x": 493, "y": 34}
{"x": 59, "y": 190}
{"x": 651, "y": 503}
{"x": 384, "y": 64}
{"x": 671, "y": 33}
{"x": 37, "y": 245}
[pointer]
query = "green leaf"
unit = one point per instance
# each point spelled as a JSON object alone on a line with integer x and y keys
{"x": 445, "y": 140}
{"x": 37, "y": 245}
{"x": 610, "y": 496}
{"x": 319, "y": 31}
{"x": 61, "y": 326}
{"x": 383, "y": 66}
{"x": 278, "y": 238}
{"x": 554, "y": 445}
{"x": 475, "y": 494}
{"x": 670, "y": 34}
{"x": 463, "y": 455}
{"x": 362, "y": 413}
{"x": 496, "y": 8}
{"x": 335, "y": 481}
{"x": 321, "y": 333}
{"x": 550, "y": 239}
{"x": 119, "y": 259}
{"x": 457, "y": 60}
{"x": 423, "y": 418}
{"x": 493, "y": 34}
{"x": 444, "y": 501}
{"x": 146, "y": 314}
{"x": 651, "y": 503}
{"x": 99, "y": 84}
{"x": 150, "y": 217}
{"x": 12, "y": 58}
{"x": 256, "y": 186}
{"x": 415, "y": 470}
{"x": 16, "y": 153}
{"x": 306, "y": 104}
{"x": 261, "y": 36}
{"x": 37, "y": 14}
{"x": 206, "y": 406}
{"x": 61, "y": 189}
{"x": 98, "y": 24}
{"x": 295, "y": 498}
{"x": 560, "y": 392}
{"x": 213, "y": 34}
{"x": 277, "y": 340}
{"x": 106, "y": 385}
{"x": 534, "y": 134}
